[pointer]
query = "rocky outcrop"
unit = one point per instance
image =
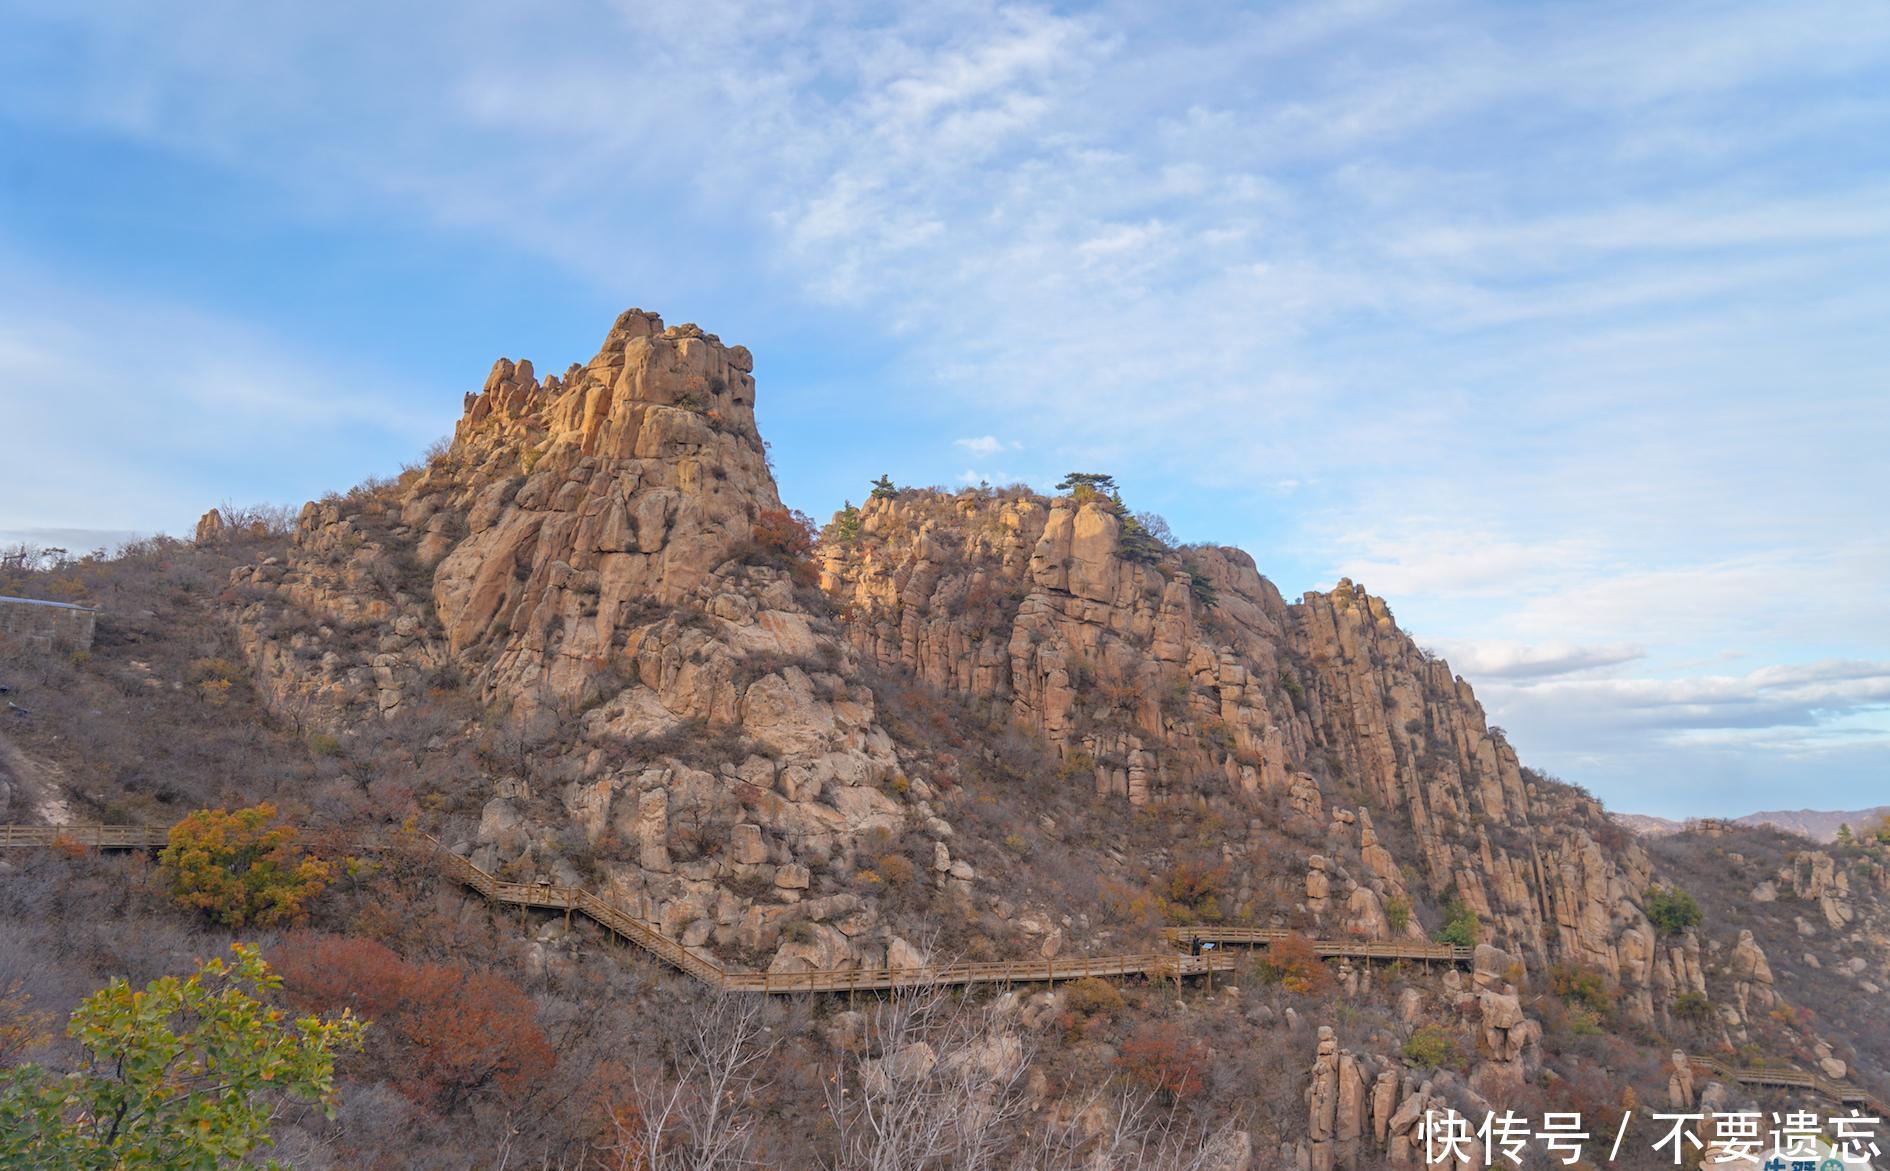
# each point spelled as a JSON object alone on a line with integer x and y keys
{"x": 1679, "y": 1081}
{"x": 1366, "y": 1111}
{"x": 1814, "y": 876}
{"x": 210, "y": 527}
{"x": 1752, "y": 976}
{"x": 600, "y": 567}
{"x": 591, "y": 558}
{"x": 1182, "y": 673}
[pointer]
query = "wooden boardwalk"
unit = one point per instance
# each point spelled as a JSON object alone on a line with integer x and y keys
{"x": 1174, "y": 964}
{"x": 1351, "y": 949}
{"x": 1188, "y": 956}
{"x": 1155, "y": 965}
{"x": 98, "y": 837}
{"x": 1843, "y": 1093}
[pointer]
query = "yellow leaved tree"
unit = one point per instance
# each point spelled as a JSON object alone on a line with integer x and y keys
{"x": 241, "y": 867}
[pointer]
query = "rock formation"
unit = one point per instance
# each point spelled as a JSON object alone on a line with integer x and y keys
{"x": 1680, "y": 1081}
{"x": 590, "y": 554}
{"x": 1815, "y": 876}
{"x": 1366, "y": 1111}
{"x": 1752, "y": 976}
{"x": 663, "y": 689}
{"x": 1178, "y": 672}
{"x": 210, "y": 527}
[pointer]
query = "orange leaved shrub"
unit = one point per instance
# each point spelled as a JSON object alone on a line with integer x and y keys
{"x": 440, "y": 1033}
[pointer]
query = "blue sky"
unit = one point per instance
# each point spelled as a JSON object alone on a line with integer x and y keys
{"x": 1561, "y": 326}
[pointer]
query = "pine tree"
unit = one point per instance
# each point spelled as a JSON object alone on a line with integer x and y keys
{"x": 846, "y": 526}
{"x": 1085, "y": 485}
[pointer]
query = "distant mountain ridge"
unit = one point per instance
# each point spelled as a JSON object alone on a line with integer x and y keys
{"x": 1817, "y": 824}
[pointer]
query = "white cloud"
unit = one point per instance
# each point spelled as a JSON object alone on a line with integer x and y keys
{"x": 1804, "y": 708}
{"x": 1514, "y": 660}
{"x": 985, "y": 445}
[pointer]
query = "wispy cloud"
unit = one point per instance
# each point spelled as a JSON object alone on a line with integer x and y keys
{"x": 126, "y": 416}
{"x": 985, "y": 445}
{"x": 1808, "y": 700}
{"x": 1520, "y": 661}
{"x": 1560, "y": 328}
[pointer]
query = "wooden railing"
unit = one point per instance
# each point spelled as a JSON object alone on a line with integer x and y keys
{"x": 98, "y": 837}
{"x": 1164, "y": 965}
{"x": 1355, "y": 949}
{"x": 1156, "y": 964}
{"x": 1843, "y": 1093}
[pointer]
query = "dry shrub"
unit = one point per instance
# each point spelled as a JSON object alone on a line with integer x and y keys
{"x": 896, "y": 869}
{"x": 783, "y": 533}
{"x": 1161, "y": 1058}
{"x": 441, "y": 1032}
{"x": 1088, "y": 1005}
{"x": 1294, "y": 964}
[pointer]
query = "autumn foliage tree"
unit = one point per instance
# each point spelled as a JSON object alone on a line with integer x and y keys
{"x": 1161, "y": 1058}
{"x": 1294, "y": 964}
{"x": 442, "y": 1032}
{"x": 1192, "y": 889}
{"x": 784, "y": 533}
{"x": 241, "y": 867}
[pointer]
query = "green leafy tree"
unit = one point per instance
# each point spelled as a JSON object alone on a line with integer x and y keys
{"x": 1693, "y": 1008}
{"x": 883, "y": 489}
{"x": 1461, "y": 926}
{"x": 1398, "y": 913}
{"x": 1135, "y": 540}
{"x": 1433, "y": 1047}
{"x": 1198, "y": 584}
{"x": 1844, "y": 835}
{"x": 240, "y": 867}
{"x": 1670, "y": 909}
{"x": 181, "y": 1075}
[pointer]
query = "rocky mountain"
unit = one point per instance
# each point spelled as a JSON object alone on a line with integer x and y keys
{"x": 584, "y": 642}
{"x": 979, "y": 721}
{"x": 1648, "y": 825}
{"x": 1164, "y": 674}
{"x": 1820, "y": 825}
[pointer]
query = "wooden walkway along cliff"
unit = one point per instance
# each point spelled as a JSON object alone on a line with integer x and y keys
{"x": 1160, "y": 965}
{"x": 98, "y": 837}
{"x": 1844, "y": 1093}
{"x": 1349, "y": 949}
{"x": 1156, "y": 965}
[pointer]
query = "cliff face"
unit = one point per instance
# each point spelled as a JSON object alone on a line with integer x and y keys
{"x": 1184, "y": 674}
{"x": 588, "y": 560}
